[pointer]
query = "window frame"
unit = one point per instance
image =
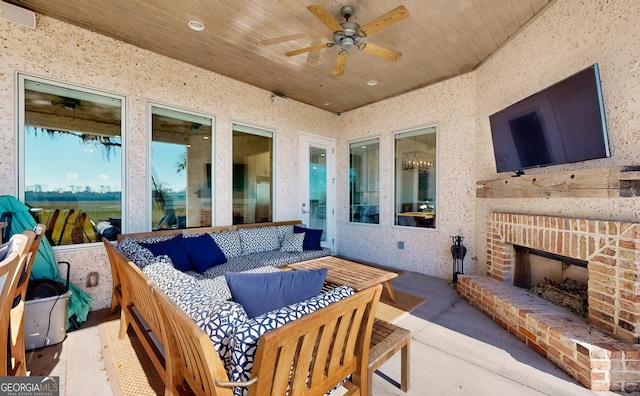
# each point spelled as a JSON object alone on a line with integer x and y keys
{"x": 259, "y": 131}
{"x": 395, "y": 160}
{"x": 149, "y": 199}
{"x": 19, "y": 171}
{"x": 361, "y": 141}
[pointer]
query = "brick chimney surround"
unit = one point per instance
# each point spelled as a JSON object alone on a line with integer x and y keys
{"x": 602, "y": 353}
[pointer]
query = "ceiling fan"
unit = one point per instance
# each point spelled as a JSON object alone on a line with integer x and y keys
{"x": 348, "y": 34}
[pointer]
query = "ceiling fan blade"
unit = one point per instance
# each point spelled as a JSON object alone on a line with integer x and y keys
{"x": 381, "y": 52}
{"x": 386, "y": 20}
{"x": 322, "y": 14}
{"x": 308, "y": 49}
{"x": 341, "y": 62}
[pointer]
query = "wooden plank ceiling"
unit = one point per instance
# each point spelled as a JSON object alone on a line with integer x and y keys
{"x": 247, "y": 39}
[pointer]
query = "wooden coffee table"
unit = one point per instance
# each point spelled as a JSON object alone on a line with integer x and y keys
{"x": 345, "y": 272}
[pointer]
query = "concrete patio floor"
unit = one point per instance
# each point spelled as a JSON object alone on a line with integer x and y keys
{"x": 455, "y": 350}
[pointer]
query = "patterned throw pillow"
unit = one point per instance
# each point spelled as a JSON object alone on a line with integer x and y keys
{"x": 229, "y": 243}
{"x": 261, "y": 239}
{"x": 292, "y": 243}
{"x": 138, "y": 254}
{"x": 283, "y": 231}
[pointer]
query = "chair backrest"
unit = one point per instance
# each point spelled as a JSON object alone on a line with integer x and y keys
{"x": 8, "y": 275}
{"x": 191, "y": 357}
{"x": 65, "y": 221}
{"x": 38, "y": 233}
{"x": 10, "y": 269}
{"x": 77, "y": 232}
{"x": 51, "y": 224}
{"x": 313, "y": 354}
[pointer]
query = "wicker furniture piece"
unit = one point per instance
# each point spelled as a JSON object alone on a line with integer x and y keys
{"x": 386, "y": 340}
{"x": 345, "y": 272}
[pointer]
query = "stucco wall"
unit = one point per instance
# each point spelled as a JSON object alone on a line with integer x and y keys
{"x": 449, "y": 105}
{"x": 61, "y": 51}
{"x": 567, "y": 37}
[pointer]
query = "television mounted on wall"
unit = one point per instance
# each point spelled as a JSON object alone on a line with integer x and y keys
{"x": 562, "y": 123}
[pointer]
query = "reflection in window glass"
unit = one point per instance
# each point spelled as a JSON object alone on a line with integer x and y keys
{"x": 181, "y": 150}
{"x": 72, "y": 142}
{"x": 364, "y": 181}
{"x": 415, "y": 178}
{"x": 318, "y": 190}
{"x": 252, "y": 175}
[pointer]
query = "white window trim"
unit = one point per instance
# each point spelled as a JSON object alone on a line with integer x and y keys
{"x": 408, "y": 132}
{"x": 365, "y": 141}
{"x": 259, "y": 131}
{"x": 19, "y": 154}
{"x": 196, "y": 114}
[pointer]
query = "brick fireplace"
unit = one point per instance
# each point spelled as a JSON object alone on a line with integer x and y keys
{"x": 602, "y": 353}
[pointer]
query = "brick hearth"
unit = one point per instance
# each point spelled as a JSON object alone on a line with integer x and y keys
{"x": 602, "y": 354}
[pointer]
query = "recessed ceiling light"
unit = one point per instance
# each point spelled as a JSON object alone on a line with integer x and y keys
{"x": 197, "y": 26}
{"x": 327, "y": 104}
{"x": 372, "y": 82}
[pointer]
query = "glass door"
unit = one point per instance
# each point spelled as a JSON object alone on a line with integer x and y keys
{"x": 317, "y": 181}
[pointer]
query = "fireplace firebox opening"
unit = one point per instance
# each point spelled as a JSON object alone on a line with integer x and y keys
{"x": 560, "y": 280}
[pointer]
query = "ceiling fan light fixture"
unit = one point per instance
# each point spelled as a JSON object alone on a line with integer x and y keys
{"x": 347, "y": 43}
{"x": 196, "y": 26}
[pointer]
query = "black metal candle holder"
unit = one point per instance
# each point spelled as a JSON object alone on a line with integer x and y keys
{"x": 458, "y": 252}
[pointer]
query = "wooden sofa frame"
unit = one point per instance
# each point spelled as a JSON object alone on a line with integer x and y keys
{"x": 138, "y": 308}
{"x": 308, "y": 356}
{"x": 201, "y": 230}
{"x": 130, "y": 290}
{"x": 337, "y": 337}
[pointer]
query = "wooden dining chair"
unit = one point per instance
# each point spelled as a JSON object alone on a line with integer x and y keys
{"x": 17, "y": 345}
{"x": 51, "y": 224}
{"x": 65, "y": 221}
{"x": 10, "y": 269}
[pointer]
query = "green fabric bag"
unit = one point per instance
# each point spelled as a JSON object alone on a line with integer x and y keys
{"x": 45, "y": 265}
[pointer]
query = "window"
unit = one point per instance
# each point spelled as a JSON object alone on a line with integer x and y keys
{"x": 181, "y": 147}
{"x": 364, "y": 181}
{"x": 71, "y": 159}
{"x": 252, "y": 175}
{"x": 415, "y": 178}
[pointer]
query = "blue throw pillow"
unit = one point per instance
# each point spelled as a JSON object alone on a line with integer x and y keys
{"x": 172, "y": 249}
{"x": 203, "y": 251}
{"x": 261, "y": 293}
{"x": 311, "y": 237}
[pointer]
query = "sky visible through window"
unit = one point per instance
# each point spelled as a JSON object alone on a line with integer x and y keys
{"x": 64, "y": 163}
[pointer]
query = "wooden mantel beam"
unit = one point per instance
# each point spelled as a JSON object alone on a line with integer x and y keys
{"x": 611, "y": 182}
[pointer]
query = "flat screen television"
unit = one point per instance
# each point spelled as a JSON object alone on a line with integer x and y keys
{"x": 560, "y": 124}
